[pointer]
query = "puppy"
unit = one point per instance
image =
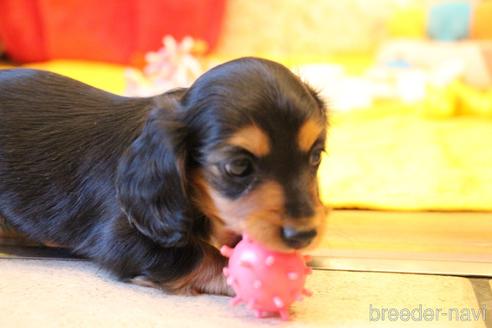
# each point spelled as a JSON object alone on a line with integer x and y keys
{"x": 148, "y": 188}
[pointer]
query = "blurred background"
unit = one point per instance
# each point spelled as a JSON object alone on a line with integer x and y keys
{"x": 409, "y": 83}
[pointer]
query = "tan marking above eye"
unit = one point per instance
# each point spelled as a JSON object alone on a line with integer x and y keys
{"x": 308, "y": 133}
{"x": 253, "y": 139}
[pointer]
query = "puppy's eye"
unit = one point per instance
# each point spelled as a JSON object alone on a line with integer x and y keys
{"x": 315, "y": 157}
{"x": 239, "y": 167}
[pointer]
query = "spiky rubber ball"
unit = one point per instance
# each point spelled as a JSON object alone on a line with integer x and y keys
{"x": 268, "y": 282}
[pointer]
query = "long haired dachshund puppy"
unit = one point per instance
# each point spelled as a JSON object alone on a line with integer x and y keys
{"x": 149, "y": 187}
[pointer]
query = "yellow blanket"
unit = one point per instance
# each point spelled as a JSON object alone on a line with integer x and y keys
{"x": 388, "y": 157}
{"x": 398, "y": 159}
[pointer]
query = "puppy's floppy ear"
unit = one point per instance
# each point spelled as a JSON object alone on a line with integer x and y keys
{"x": 151, "y": 179}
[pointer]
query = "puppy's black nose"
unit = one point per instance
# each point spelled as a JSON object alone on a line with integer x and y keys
{"x": 297, "y": 238}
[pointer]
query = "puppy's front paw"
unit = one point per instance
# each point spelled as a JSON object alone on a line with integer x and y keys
{"x": 200, "y": 284}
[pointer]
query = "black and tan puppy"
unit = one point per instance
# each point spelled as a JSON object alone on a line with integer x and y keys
{"x": 148, "y": 187}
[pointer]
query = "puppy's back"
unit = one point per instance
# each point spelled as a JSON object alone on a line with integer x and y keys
{"x": 60, "y": 141}
{"x": 44, "y": 109}
{"x": 29, "y": 86}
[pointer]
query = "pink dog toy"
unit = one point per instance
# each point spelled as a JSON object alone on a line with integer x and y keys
{"x": 267, "y": 281}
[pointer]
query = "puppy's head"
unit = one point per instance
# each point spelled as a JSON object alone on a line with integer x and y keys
{"x": 257, "y": 133}
{"x": 241, "y": 147}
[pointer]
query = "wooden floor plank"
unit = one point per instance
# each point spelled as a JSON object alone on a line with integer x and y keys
{"x": 424, "y": 242}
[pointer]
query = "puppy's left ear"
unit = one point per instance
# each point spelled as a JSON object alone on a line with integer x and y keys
{"x": 151, "y": 180}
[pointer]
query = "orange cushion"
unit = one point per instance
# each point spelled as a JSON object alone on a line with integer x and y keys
{"x": 481, "y": 27}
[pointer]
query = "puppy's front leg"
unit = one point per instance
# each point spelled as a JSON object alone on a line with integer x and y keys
{"x": 205, "y": 278}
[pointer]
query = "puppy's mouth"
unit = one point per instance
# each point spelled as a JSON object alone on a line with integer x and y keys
{"x": 234, "y": 239}
{"x": 292, "y": 239}
{"x": 278, "y": 237}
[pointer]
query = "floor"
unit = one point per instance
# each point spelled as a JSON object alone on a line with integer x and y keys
{"x": 75, "y": 293}
{"x": 58, "y": 292}
{"x": 457, "y": 243}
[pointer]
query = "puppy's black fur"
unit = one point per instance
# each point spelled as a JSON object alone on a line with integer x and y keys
{"x": 108, "y": 176}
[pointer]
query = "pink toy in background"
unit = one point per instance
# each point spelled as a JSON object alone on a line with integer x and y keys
{"x": 267, "y": 281}
{"x": 175, "y": 65}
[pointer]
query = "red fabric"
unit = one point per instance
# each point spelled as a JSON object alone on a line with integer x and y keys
{"x": 21, "y": 30}
{"x": 118, "y": 31}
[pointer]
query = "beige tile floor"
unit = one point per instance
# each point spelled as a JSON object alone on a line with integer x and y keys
{"x": 69, "y": 293}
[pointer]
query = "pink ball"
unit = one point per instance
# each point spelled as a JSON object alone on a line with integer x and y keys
{"x": 267, "y": 281}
